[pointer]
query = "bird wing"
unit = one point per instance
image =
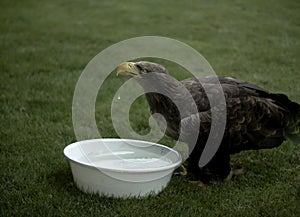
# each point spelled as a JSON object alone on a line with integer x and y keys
{"x": 254, "y": 123}
{"x": 208, "y": 88}
{"x": 255, "y": 118}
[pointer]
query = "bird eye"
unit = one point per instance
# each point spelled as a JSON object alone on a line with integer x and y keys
{"x": 140, "y": 69}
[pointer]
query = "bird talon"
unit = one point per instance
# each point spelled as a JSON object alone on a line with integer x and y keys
{"x": 199, "y": 183}
{"x": 184, "y": 171}
{"x": 235, "y": 171}
{"x": 230, "y": 175}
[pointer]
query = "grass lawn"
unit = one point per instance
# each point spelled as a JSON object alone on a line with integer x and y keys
{"x": 45, "y": 45}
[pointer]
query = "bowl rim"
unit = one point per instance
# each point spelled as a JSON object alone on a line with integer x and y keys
{"x": 126, "y": 170}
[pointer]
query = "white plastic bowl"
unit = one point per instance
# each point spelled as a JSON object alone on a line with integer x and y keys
{"x": 121, "y": 167}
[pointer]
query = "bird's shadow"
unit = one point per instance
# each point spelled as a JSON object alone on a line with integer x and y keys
{"x": 62, "y": 181}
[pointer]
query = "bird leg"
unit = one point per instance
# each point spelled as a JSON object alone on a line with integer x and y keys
{"x": 184, "y": 172}
{"x": 235, "y": 170}
{"x": 198, "y": 182}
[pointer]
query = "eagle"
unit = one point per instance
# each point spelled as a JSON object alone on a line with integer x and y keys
{"x": 255, "y": 118}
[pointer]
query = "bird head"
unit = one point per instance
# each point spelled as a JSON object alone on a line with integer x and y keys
{"x": 140, "y": 68}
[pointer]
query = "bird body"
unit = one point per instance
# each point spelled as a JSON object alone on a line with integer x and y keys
{"x": 255, "y": 119}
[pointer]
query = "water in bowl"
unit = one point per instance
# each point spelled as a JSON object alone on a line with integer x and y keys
{"x": 128, "y": 160}
{"x": 133, "y": 163}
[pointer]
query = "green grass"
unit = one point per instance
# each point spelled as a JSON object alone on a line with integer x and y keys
{"x": 45, "y": 45}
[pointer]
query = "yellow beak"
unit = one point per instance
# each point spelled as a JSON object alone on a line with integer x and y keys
{"x": 127, "y": 68}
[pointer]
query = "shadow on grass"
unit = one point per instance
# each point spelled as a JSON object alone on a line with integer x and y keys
{"x": 62, "y": 181}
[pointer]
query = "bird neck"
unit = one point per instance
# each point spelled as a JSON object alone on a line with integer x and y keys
{"x": 164, "y": 94}
{"x": 160, "y": 103}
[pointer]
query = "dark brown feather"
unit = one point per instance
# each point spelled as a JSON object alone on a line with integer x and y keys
{"x": 256, "y": 119}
